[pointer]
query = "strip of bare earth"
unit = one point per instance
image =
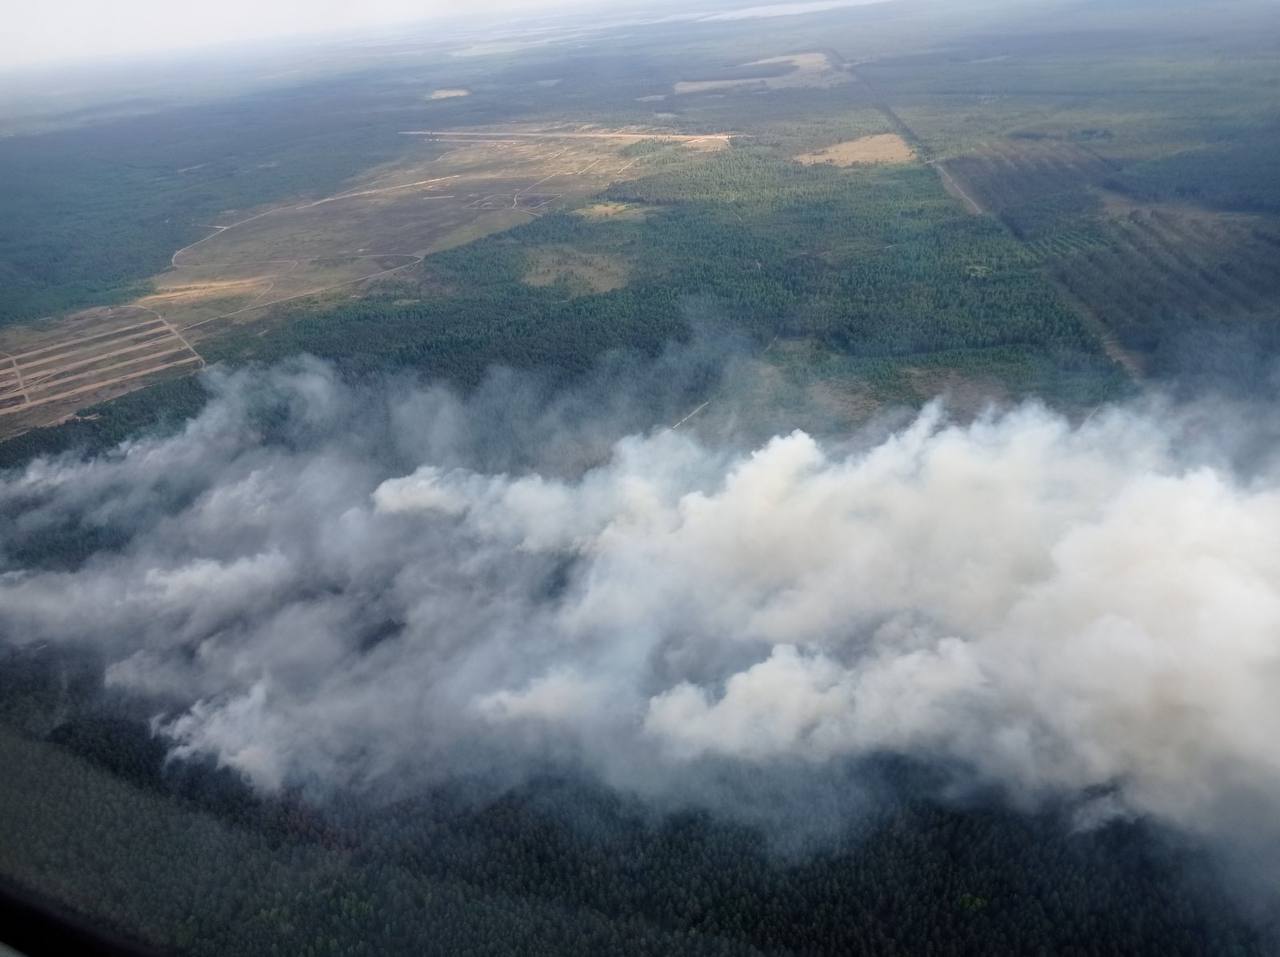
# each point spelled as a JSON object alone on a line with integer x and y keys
{"x": 96, "y": 386}
{"x": 137, "y": 341}
{"x": 51, "y": 386}
{"x": 622, "y": 137}
{"x": 952, "y": 186}
{"x": 62, "y": 346}
{"x": 90, "y": 361}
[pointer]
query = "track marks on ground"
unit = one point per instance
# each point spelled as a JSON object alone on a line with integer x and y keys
{"x": 95, "y": 362}
{"x": 101, "y": 354}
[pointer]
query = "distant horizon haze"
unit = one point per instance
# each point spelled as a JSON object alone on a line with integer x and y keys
{"x": 70, "y": 31}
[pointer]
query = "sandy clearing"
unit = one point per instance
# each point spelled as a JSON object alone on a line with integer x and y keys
{"x": 168, "y": 325}
{"x": 134, "y": 332}
{"x": 43, "y": 375}
{"x": 618, "y": 137}
{"x": 77, "y": 343}
{"x": 353, "y": 194}
{"x": 461, "y": 235}
{"x": 583, "y": 272}
{"x": 807, "y": 62}
{"x": 82, "y": 365}
{"x": 186, "y": 293}
{"x": 685, "y": 87}
{"x": 17, "y": 375}
{"x": 884, "y": 148}
{"x": 809, "y": 70}
{"x": 53, "y": 385}
{"x": 415, "y": 260}
{"x": 623, "y": 212}
{"x": 97, "y": 386}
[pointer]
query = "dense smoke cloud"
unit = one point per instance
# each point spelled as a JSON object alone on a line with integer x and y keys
{"x": 1058, "y": 607}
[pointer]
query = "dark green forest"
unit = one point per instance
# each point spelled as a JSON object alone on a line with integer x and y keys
{"x": 183, "y": 855}
{"x": 89, "y": 214}
{"x": 871, "y": 264}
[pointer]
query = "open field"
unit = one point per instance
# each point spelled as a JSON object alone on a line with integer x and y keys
{"x": 706, "y": 141}
{"x": 486, "y": 181}
{"x": 489, "y": 180}
{"x": 866, "y": 150}
{"x": 618, "y": 212}
{"x": 807, "y": 71}
{"x": 111, "y": 352}
{"x": 581, "y": 273}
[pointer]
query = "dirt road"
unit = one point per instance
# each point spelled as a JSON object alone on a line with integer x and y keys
{"x": 952, "y": 186}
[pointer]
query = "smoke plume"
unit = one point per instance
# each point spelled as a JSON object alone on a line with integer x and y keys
{"x": 331, "y": 589}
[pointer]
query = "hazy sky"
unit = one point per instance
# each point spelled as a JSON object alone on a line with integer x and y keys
{"x": 42, "y": 31}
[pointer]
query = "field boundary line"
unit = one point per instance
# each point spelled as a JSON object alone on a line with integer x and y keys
{"x": 183, "y": 339}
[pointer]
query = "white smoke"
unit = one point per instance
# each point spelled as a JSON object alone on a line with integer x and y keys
{"x": 1058, "y": 607}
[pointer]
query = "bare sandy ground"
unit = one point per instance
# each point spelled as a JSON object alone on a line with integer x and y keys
{"x": 809, "y": 70}
{"x": 885, "y": 148}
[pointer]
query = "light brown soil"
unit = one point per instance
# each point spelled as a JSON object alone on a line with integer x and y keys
{"x": 621, "y": 212}
{"x": 812, "y": 70}
{"x": 188, "y": 293}
{"x": 104, "y": 353}
{"x": 885, "y": 148}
